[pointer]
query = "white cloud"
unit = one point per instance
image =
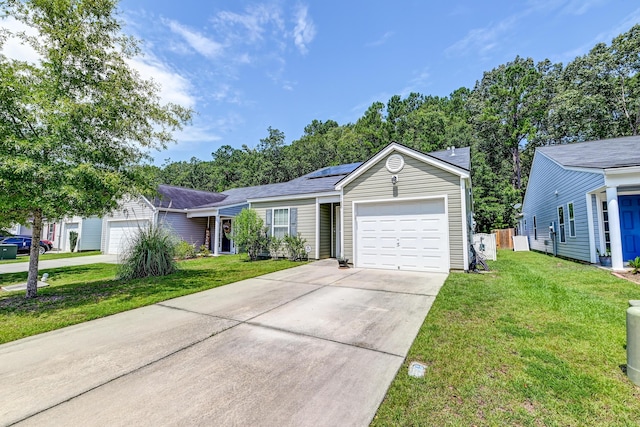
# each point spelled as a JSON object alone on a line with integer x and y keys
{"x": 254, "y": 22}
{"x": 304, "y": 31}
{"x": 483, "y": 40}
{"x": 417, "y": 83}
{"x": 173, "y": 87}
{"x": 382, "y": 40}
{"x": 14, "y": 47}
{"x": 198, "y": 42}
{"x": 604, "y": 37}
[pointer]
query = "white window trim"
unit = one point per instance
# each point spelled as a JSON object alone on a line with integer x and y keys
{"x": 273, "y": 221}
{"x": 561, "y": 224}
{"x": 573, "y": 208}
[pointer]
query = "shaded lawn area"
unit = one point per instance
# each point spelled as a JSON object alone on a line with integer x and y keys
{"x": 537, "y": 342}
{"x": 50, "y": 255}
{"x": 80, "y": 293}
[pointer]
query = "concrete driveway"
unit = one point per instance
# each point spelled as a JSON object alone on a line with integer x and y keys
{"x": 61, "y": 262}
{"x": 309, "y": 346}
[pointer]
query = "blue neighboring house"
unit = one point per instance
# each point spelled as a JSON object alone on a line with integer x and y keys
{"x": 584, "y": 198}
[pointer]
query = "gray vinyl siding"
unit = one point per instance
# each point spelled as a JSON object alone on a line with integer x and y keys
{"x": 130, "y": 209}
{"x": 191, "y": 230}
{"x": 325, "y": 230}
{"x": 232, "y": 211}
{"x": 541, "y": 200}
{"x": 90, "y": 235}
{"x": 306, "y": 218}
{"x": 416, "y": 179}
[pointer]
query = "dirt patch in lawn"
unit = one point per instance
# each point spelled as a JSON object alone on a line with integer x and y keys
{"x": 635, "y": 278}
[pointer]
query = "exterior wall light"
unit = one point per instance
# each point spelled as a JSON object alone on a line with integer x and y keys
{"x": 394, "y": 179}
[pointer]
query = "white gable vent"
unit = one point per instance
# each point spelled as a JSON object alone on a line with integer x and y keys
{"x": 395, "y": 163}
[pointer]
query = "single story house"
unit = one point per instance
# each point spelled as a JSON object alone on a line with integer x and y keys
{"x": 89, "y": 233}
{"x": 401, "y": 209}
{"x": 168, "y": 207}
{"x": 583, "y": 199}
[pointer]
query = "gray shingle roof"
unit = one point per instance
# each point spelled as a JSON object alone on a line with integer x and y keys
{"x": 320, "y": 181}
{"x": 182, "y": 198}
{"x": 304, "y": 185}
{"x": 602, "y": 154}
{"x": 461, "y": 159}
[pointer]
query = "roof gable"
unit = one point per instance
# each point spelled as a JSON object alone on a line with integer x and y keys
{"x": 601, "y": 154}
{"x": 456, "y": 161}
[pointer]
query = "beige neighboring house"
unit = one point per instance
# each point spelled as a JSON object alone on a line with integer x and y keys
{"x": 89, "y": 233}
{"x": 400, "y": 210}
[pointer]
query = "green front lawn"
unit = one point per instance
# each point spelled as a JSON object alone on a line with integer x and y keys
{"x": 50, "y": 255}
{"x": 537, "y": 342}
{"x": 85, "y": 292}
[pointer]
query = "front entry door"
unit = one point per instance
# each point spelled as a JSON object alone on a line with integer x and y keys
{"x": 225, "y": 245}
{"x": 630, "y": 226}
{"x": 337, "y": 231}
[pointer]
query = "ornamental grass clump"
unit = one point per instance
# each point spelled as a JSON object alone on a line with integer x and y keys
{"x": 150, "y": 253}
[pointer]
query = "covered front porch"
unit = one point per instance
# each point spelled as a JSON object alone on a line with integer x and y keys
{"x": 219, "y": 225}
{"x": 617, "y": 216}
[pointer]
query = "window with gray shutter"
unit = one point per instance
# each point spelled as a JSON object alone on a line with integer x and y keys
{"x": 268, "y": 222}
{"x": 293, "y": 221}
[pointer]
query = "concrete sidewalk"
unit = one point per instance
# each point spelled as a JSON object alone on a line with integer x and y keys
{"x": 56, "y": 263}
{"x": 309, "y": 346}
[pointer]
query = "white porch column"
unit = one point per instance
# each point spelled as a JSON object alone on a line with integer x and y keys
{"x": 615, "y": 236}
{"x": 216, "y": 237}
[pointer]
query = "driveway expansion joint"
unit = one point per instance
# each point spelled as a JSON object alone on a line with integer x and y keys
{"x": 301, "y": 334}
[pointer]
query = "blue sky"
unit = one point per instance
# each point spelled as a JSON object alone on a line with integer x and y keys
{"x": 246, "y": 65}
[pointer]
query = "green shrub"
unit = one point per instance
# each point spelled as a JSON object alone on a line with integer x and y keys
{"x": 204, "y": 250}
{"x": 73, "y": 239}
{"x": 635, "y": 264}
{"x": 249, "y": 233}
{"x": 295, "y": 247}
{"x": 185, "y": 250}
{"x": 274, "y": 245}
{"x": 150, "y": 253}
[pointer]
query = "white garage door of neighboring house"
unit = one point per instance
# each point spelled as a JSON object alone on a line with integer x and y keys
{"x": 120, "y": 233}
{"x": 66, "y": 242}
{"x": 411, "y": 235}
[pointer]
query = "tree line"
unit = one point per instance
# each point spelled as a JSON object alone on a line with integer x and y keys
{"x": 510, "y": 111}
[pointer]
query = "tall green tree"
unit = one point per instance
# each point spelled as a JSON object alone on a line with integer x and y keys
{"x": 76, "y": 124}
{"x": 598, "y": 94}
{"x": 507, "y": 106}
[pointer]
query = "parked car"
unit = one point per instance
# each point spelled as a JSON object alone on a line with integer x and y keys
{"x": 24, "y": 244}
{"x": 47, "y": 243}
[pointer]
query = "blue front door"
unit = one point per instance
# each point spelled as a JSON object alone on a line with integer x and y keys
{"x": 630, "y": 226}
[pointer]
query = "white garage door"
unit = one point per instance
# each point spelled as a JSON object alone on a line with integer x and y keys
{"x": 403, "y": 236}
{"x": 120, "y": 234}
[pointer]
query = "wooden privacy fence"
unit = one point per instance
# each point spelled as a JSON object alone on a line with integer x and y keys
{"x": 504, "y": 238}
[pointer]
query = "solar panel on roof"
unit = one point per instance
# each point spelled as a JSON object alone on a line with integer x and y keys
{"x": 334, "y": 170}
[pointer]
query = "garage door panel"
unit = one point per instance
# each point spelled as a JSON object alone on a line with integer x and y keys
{"x": 121, "y": 233}
{"x": 406, "y": 236}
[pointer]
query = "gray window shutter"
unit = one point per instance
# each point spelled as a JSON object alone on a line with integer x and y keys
{"x": 268, "y": 222}
{"x": 293, "y": 221}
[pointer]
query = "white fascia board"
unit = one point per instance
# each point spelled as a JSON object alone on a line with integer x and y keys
{"x": 294, "y": 197}
{"x": 199, "y": 213}
{"x": 406, "y": 151}
{"x": 622, "y": 176}
{"x": 171, "y": 210}
{"x": 153, "y": 208}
